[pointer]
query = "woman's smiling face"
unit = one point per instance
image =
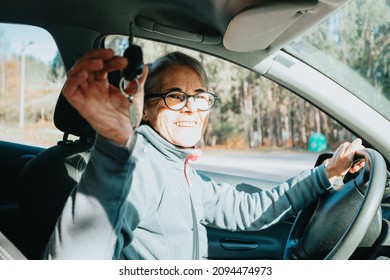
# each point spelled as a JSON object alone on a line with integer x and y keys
{"x": 185, "y": 127}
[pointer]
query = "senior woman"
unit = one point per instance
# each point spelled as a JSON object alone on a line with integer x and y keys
{"x": 138, "y": 198}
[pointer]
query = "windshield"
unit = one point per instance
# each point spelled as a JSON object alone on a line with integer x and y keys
{"x": 353, "y": 48}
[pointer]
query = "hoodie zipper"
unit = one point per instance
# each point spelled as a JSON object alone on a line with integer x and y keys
{"x": 195, "y": 243}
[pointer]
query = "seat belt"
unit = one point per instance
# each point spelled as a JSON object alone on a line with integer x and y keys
{"x": 8, "y": 251}
{"x": 195, "y": 242}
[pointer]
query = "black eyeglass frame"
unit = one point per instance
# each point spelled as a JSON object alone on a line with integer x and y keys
{"x": 164, "y": 95}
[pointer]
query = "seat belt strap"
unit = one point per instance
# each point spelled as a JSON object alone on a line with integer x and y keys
{"x": 8, "y": 251}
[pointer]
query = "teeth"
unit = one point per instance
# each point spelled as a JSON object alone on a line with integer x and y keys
{"x": 186, "y": 124}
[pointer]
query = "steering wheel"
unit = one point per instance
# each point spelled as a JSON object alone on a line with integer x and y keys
{"x": 341, "y": 220}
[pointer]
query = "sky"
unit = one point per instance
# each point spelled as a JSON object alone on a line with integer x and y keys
{"x": 42, "y": 47}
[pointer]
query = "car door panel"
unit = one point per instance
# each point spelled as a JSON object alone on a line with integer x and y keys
{"x": 264, "y": 244}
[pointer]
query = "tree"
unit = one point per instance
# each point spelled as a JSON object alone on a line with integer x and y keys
{"x": 358, "y": 36}
{"x": 57, "y": 69}
{"x": 3, "y": 49}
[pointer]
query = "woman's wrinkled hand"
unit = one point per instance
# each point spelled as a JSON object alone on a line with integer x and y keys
{"x": 342, "y": 160}
{"x": 88, "y": 90}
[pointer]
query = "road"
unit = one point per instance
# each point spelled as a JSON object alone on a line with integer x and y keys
{"x": 269, "y": 166}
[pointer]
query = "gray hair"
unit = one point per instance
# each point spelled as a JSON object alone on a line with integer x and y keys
{"x": 173, "y": 59}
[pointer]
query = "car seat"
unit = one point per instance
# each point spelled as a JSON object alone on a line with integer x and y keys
{"x": 47, "y": 179}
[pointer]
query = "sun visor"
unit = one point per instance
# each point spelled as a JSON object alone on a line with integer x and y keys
{"x": 274, "y": 24}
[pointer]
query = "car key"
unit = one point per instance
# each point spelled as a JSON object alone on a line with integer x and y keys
{"x": 134, "y": 68}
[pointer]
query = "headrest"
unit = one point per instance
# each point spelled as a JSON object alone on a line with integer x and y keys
{"x": 68, "y": 120}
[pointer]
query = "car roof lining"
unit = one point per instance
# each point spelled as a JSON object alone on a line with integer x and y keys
{"x": 225, "y": 26}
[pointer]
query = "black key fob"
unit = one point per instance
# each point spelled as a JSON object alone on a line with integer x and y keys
{"x": 135, "y": 64}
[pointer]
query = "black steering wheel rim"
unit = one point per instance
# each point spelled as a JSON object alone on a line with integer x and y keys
{"x": 373, "y": 177}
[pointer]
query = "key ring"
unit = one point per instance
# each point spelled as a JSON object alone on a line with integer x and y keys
{"x": 122, "y": 87}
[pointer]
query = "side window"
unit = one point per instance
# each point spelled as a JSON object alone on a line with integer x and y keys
{"x": 260, "y": 124}
{"x": 31, "y": 77}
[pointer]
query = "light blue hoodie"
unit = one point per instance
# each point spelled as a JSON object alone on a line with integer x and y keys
{"x": 136, "y": 203}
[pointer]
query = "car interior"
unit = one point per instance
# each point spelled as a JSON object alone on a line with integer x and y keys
{"x": 36, "y": 181}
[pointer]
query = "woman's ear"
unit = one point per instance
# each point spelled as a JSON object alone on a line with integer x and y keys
{"x": 144, "y": 116}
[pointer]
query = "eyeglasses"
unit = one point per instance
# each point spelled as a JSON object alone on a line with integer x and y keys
{"x": 177, "y": 100}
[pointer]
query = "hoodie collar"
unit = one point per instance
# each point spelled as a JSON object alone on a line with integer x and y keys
{"x": 169, "y": 150}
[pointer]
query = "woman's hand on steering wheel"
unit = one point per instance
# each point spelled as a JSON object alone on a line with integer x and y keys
{"x": 342, "y": 160}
